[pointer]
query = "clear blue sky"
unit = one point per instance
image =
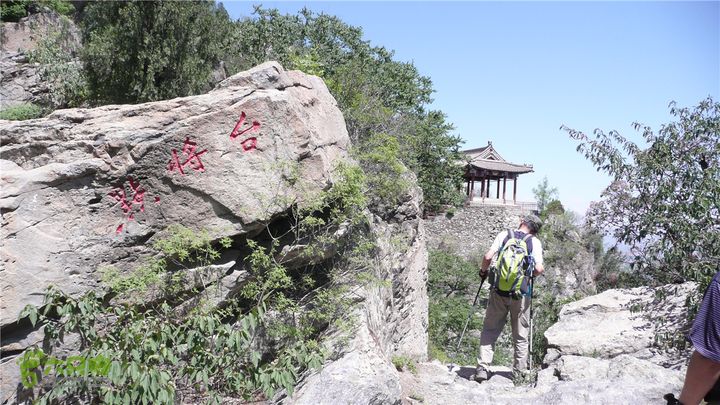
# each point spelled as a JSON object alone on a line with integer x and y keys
{"x": 514, "y": 72}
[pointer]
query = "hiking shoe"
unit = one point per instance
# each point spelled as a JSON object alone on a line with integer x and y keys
{"x": 480, "y": 374}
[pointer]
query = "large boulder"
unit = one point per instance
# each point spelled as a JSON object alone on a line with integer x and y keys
{"x": 84, "y": 188}
{"x": 621, "y": 322}
{"x": 87, "y": 188}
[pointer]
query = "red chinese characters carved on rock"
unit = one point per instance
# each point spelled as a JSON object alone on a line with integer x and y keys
{"x": 130, "y": 205}
{"x": 192, "y": 158}
{"x": 251, "y": 142}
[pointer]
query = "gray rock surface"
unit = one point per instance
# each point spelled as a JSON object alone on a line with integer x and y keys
{"x": 620, "y": 322}
{"x": 472, "y": 228}
{"x": 591, "y": 361}
{"x": 391, "y": 320}
{"x": 362, "y": 376}
{"x": 63, "y": 175}
{"x": 87, "y": 188}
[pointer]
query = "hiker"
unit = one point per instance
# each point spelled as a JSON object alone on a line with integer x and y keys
{"x": 704, "y": 369}
{"x": 516, "y": 301}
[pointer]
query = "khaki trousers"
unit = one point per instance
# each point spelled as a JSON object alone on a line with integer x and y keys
{"x": 495, "y": 318}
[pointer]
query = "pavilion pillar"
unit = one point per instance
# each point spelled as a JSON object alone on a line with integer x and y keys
{"x": 472, "y": 187}
{"x": 504, "y": 186}
{"x": 487, "y": 189}
{"x": 482, "y": 188}
{"x": 467, "y": 188}
{"x": 515, "y": 190}
{"x": 497, "y": 194}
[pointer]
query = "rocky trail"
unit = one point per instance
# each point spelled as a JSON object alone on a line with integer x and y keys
{"x": 613, "y": 362}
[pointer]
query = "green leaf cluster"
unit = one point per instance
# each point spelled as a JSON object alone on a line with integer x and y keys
{"x": 21, "y": 112}
{"x": 663, "y": 201}
{"x": 452, "y": 284}
{"x": 403, "y": 363}
{"x": 14, "y": 10}
{"x": 159, "y": 337}
{"x": 138, "y": 51}
{"x": 381, "y": 99}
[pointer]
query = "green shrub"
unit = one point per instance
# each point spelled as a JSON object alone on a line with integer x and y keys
{"x": 162, "y": 336}
{"x": 452, "y": 284}
{"x": 403, "y": 362}
{"x": 379, "y": 157}
{"x": 13, "y": 10}
{"x": 60, "y": 6}
{"x": 55, "y": 53}
{"x": 21, "y": 112}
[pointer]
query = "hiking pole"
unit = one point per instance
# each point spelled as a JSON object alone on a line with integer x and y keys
{"x": 532, "y": 291}
{"x": 472, "y": 311}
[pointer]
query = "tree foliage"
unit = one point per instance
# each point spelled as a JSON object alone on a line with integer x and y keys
{"x": 13, "y": 10}
{"x": 56, "y": 53}
{"x": 140, "y": 51}
{"x": 663, "y": 201}
{"x": 377, "y": 95}
{"x": 452, "y": 284}
{"x": 544, "y": 194}
{"x": 167, "y": 332}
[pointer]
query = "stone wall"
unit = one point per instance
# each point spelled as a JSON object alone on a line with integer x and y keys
{"x": 472, "y": 229}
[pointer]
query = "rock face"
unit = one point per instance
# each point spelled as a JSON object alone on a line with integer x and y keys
{"x": 85, "y": 188}
{"x": 392, "y": 320}
{"x": 602, "y": 353}
{"x": 20, "y": 81}
{"x": 618, "y": 322}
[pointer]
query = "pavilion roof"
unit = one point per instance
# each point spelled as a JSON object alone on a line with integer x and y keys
{"x": 488, "y": 158}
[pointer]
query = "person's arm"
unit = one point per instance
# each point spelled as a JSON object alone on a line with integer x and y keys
{"x": 704, "y": 368}
{"x": 700, "y": 377}
{"x": 539, "y": 269}
{"x": 487, "y": 259}
{"x": 538, "y": 257}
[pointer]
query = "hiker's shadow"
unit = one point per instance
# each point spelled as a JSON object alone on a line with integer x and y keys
{"x": 468, "y": 373}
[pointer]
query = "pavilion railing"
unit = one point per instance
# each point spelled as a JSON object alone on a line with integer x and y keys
{"x": 525, "y": 205}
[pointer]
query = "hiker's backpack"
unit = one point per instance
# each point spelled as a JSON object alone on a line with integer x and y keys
{"x": 514, "y": 266}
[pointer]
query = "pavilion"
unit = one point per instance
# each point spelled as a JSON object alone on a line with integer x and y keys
{"x": 485, "y": 165}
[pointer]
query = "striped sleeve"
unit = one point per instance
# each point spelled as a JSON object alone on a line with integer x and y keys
{"x": 705, "y": 333}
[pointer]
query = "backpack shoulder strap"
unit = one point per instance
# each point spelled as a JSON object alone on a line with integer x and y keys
{"x": 507, "y": 238}
{"x": 528, "y": 239}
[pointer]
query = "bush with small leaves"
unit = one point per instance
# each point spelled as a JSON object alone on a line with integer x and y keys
{"x": 21, "y": 112}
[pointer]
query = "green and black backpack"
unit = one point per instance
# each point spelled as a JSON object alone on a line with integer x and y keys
{"x": 514, "y": 265}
